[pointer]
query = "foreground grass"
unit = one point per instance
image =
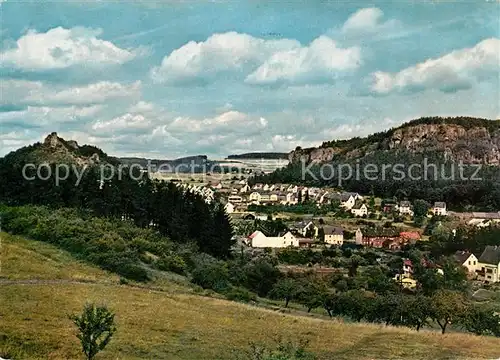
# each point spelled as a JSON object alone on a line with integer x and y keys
{"x": 172, "y": 325}
{"x": 23, "y": 259}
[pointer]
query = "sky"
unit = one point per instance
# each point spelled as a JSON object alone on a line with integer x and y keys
{"x": 166, "y": 78}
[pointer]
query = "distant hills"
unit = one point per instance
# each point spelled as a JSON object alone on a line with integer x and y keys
{"x": 55, "y": 150}
{"x": 259, "y": 155}
{"x": 197, "y": 161}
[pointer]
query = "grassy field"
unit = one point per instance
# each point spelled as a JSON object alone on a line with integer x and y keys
{"x": 172, "y": 324}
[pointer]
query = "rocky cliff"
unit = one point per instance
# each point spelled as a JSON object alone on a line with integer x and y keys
{"x": 57, "y": 150}
{"x": 473, "y": 141}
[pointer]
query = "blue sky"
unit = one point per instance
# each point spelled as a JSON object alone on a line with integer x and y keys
{"x": 166, "y": 79}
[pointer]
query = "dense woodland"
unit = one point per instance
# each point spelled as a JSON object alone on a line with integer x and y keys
{"x": 179, "y": 215}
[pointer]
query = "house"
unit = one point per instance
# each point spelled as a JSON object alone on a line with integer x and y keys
{"x": 347, "y": 201}
{"x": 255, "y": 196}
{"x": 405, "y": 208}
{"x": 229, "y": 208}
{"x": 381, "y": 238}
{"x": 265, "y": 187}
{"x": 259, "y": 240}
{"x": 439, "y": 208}
{"x": 291, "y": 198}
{"x": 218, "y": 186}
{"x": 245, "y": 188}
{"x": 265, "y": 197}
{"x": 305, "y": 242}
{"x": 489, "y": 265}
{"x": 334, "y": 235}
{"x": 359, "y": 237}
{"x": 407, "y": 268}
{"x": 409, "y": 237}
{"x": 308, "y": 228}
{"x": 242, "y": 182}
{"x": 406, "y": 282}
{"x": 258, "y": 186}
{"x": 323, "y": 197}
{"x": 467, "y": 260}
{"x": 484, "y": 219}
{"x": 274, "y": 196}
{"x": 235, "y": 199}
{"x": 359, "y": 209}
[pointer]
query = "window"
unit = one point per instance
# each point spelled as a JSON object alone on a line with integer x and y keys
{"x": 474, "y": 263}
{"x": 469, "y": 262}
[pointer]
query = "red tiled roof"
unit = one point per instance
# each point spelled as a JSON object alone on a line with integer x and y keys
{"x": 412, "y": 235}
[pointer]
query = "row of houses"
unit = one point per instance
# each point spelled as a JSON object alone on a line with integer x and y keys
{"x": 406, "y": 208}
{"x": 485, "y": 268}
{"x": 205, "y": 192}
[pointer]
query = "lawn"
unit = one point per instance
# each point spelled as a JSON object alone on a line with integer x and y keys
{"x": 169, "y": 324}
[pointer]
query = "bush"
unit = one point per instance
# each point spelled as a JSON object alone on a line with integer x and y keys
{"x": 210, "y": 273}
{"x": 282, "y": 351}
{"x": 240, "y": 294}
{"x": 173, "y": 263}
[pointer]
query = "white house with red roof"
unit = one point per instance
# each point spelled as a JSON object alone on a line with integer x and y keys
{"x": 259, "y": 240}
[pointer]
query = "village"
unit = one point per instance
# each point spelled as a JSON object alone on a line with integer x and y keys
{"x": 346, "y": 219}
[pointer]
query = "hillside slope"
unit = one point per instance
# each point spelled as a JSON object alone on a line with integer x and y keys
{"x": 173, "y": 324}
{"x": 471, "y": 140}
{"x": 56, "y": 150}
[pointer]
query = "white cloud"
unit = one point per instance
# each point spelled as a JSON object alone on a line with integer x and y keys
{"x": 60, "y": 48}
{"x": 228, "y": 122}
{"x": 126, "y": 122}
{"x": 22, "y": 92}
{"x": 220, "y": 53}
{"x": 321, "y": 61}
{"x": 43, "y": 116}
{"x": 368, "y": 20}
{"x": 455, "y": 71}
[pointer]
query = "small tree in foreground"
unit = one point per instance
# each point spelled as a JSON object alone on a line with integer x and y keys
{"x": 96, "y": 326}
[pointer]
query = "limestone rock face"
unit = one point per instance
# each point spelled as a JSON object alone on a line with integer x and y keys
{"x": 473, "y": 145}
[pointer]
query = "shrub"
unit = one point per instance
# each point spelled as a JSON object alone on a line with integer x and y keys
{"x": 240, "y": 294}
{"x": 210, "y": 273}
{"x": 96, "y": 326}
{"x": 173, "y": 263}
{"x": 282, "y": 351}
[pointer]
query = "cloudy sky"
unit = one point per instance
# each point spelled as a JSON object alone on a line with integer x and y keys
{"x": 172, "y": 78}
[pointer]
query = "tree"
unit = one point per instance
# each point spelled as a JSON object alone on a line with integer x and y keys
{"x": 447, "y": 306}
{"x": 415, "y": 311}
{"x": 371, "y": 203}
{"x": 313, "y": 295}
{"x": 481, "y": 321}
{"x": 310, "y": 232}
{"x": 286, "y": 289}
{"x": 321, "y": 234}
{"x": 354, "y": 263}
{"x": 420, "y": 208}
{"x": 96, "y": 326}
